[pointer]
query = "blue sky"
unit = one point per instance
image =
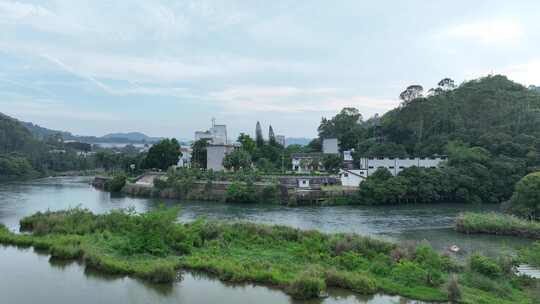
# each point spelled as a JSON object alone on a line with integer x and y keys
{"x": 167, "y": 67}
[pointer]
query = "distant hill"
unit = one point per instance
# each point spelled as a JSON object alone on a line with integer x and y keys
{"x": 131, "y": 136}
{"x": 40, "y": 132}
{"x": 302, "y": 141}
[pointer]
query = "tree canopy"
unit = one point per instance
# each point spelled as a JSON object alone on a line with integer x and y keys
{"x": 163, "y": 154}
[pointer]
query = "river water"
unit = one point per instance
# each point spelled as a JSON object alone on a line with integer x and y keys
{"x": 27, "y": 276}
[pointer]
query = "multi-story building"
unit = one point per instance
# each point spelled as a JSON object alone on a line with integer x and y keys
{"x": 280, "y": 139}
{"x": 368, "y": 165}
{"x": 216, "y": 135}
{"x": 397, "y": 164}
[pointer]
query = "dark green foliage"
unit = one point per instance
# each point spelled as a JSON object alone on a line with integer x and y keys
{"x": 163, "y": 155}
{"x": 22, "y": 156}
{"x": 116, "y": 183}
{"x": 237, "y": 160}
{"x": 332, "y": 163}
{"x": 526, "y": 198}
{"x": 348, "y": 280}
{"x": 531, "y": 254}
{"x": 307, "y": 286}
{"x": 239, "y": 192}
{"x": 485, "y": 266}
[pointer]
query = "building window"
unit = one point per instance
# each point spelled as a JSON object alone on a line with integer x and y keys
{"x": 371, "y": 167}
{"x": 401, "y": 167}
{"x": 391, "y": 167}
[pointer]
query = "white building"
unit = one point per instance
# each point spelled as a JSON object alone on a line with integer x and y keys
{"x": 217, "y": 135}
{"x": 330, "y": 146}
{"x": 351, "y": 178}
{"x": 396, "y": 165}
{"x": 215, "y": 155}
{"x": 306, "y": 162}
{"x": 185, "y": 159}
{"x": 368, "y": 165}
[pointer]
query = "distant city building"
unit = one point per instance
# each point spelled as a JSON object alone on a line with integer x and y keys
{"x": 215, "y": 155}
{"x": 280, "y": 139}
{"x": 306, "y": 162}
{"x": 184, "y": 160}
{"x": 330, "y": 146}
{"x": 217, "y": 135}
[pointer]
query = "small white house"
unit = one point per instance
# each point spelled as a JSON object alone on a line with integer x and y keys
{"x": 352, "y": 178}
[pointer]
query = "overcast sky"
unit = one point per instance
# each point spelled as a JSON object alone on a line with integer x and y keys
{"x": 167, "y": 67}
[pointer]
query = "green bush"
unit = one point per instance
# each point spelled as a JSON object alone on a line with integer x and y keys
{"x": 160, "y": 184}
{"x": 116, "y": 183}
{"x": 307, "y": 286}
{"x": 239, "y": 192}
{"x": 410, "y": 274}
{"x": 453, "y": 289}
{"x": 485, "y": 266}
{"x": 354, "y": 281}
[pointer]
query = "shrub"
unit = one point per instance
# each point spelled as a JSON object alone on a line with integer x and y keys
{"x": 409, "y": 274}
{"x": 354, "y": 281}
{"x": 160, "y": 184}
{"x": 239, "y": 192}
{"x": 116, "y": 183}
{"x": 484, "y": 265}
{"x": 67, "y": 252}
{"x": 453, "y": 289}
{"x": 307, "y": 286}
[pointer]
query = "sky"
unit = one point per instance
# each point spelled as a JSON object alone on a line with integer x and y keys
{"x": 166, "y": 68}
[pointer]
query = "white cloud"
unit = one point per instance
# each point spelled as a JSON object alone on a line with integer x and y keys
{"x": 526, "y": 73}
{"x": 489, "y": 32}
{"x": 297, "y": 100}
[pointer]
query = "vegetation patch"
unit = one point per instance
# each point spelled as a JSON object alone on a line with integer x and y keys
{"x": 153, "y": 246}
{"x": 496, "y": 223}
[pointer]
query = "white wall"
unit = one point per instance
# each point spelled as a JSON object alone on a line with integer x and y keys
{"x": 330, "y": 146}
{"x": 396, "y": 165}
{"x": 352, "y": 178}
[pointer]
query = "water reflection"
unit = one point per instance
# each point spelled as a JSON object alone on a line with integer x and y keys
{"x": 27, "y": 278}
{"x": 29, "y": 275}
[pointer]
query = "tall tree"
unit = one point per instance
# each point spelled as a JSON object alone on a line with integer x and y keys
{"x": 271, "y": 136}
{"x": 237, "y": 159}
{"x": 259, "y": 135}
{"x": 199, "y": 152}
{"x": 163, "y": 154}
{"x": 247, "y": 143}
{"x": 411, "y": 93}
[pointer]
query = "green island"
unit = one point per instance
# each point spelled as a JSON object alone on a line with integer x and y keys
{"x": 154, "y": 247}
{"x": 497, "y": 223}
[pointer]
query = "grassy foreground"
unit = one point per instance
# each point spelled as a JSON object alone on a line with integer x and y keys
{"x": 496, "y": 223}
{"x": 303, "y": 263}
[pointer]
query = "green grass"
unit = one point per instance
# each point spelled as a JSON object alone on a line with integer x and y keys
{"x": 496, "y": 223}
{"x": 154, "y": 247}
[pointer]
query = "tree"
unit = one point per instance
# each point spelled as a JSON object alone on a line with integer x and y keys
{"x": 411, "y": 93}
{"x": 258, "y": 135}
{"x": 332, "y": 162}
{"x": 526, "y": 198}
{"x": 346, "y": 126}
{"x": 247, "y": 143}
{"x": 163, "y": 154}
{"x": 446, "y": 84}
{"x": 237, "y": 160}
{"x": 199, "y": 152}
{"x": 271, "y": 136}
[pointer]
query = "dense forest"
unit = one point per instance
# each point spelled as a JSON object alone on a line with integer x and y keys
{"x": 24, "y": 156}
{"x": 489, "y": 128}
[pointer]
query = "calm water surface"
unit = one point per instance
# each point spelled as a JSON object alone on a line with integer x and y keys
{"x": 26, "y": 276}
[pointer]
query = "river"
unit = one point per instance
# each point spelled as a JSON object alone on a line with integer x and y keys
{"x": 27, "y": 276}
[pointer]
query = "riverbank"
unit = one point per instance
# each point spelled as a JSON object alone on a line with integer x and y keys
{"x": 496, "y": 223}
{"x": 304, "y": 263}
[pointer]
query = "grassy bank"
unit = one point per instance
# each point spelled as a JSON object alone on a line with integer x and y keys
{"x": 495, "y": 223}
{"x": 303, "y": 263}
